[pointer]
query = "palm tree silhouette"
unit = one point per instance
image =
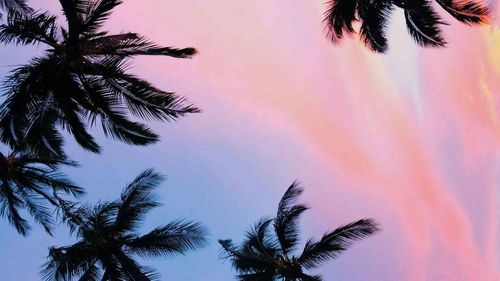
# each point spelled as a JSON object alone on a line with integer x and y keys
{"x": 82, "y": 80}
{"x": 28, "y": 182}
{"x": 268, "y": 256}
{"x": 108, "y": 237}
{"x": 13, "y": 7}
{"x": 421, "y": 20}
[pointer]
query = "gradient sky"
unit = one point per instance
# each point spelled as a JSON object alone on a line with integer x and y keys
{"x": 410, "y": 138}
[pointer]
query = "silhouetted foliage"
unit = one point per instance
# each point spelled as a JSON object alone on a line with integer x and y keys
{"x": 109, "y": 239}
{"x": 422, "y": 21}
{"x": 29, "y": 182}
{"x": 82, "y": 80}
{"x": 14, "y": 7}
{"x": 267, "y": 252}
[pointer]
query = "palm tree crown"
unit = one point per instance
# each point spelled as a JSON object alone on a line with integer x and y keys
{"x": 421, "y": 19}
{"x": 267, "y": 255}
{"x": 29, "y": 182}
{"x": 108, "y": 237}
{"x": 82, "y": 80}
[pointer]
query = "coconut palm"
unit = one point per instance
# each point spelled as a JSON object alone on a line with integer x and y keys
{"x": 109, "y": 239}
{"x": 267, "y": 253}
{"x": 13, "y": 7}
{"x": 28, "y": 182}
{"x": 422, "y": 22}
{"x": 81, "y": 80}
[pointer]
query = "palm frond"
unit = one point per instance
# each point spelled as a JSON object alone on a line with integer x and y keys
{"x": 423, "y": 25}
{"x": 260, "y": 242}
{"x": 42, "y": 136}
{"x": 96, "y": 13}
{"x": 246, "y": 261}
{"x": 93, "y": 273}
{"x": 114, "y": 122}
{"x": 229, "y": 249}
{"x": 9, "y": 205}
{"x": 374, "y": 17}
{"x": 74, "y": 215}
{"x": 142, "y": 98}
{"x": 68, "y": 263}
{"x": 335, "y": 242}
{"x": 339, "y": 17}
{"x": 132, "y": 44}
{"x": 43, "y": 179}
{"x": 113, "y": 272}
{"x": 129, "y": 132}
{"x": 286, "y": 222}
{"x": 35, "y": 28}
{"x": 137, "y": 199}
{"x": 74, "y": 121}
{"x": 28, "y": 115}
{"x": 27, "y": 183}
{"x": 467, "y": 11}
{"x": 52, "y": 163}
{"x": 37, "y": 207}
{"x": 176, "y": 237}
{"x": 134, "y": 271}
{"x": 15, "y": 7}
{"x": 101, "y": 215}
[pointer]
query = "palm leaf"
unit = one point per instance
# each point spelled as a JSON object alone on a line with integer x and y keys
{"x": 374, "y": 17}
{"x": 423, "y": 25}
{"x": 97, "y": 12}
{"x": 176, "y": 237}
{"x": 335, "y": 242}
{"x": 137, "y": 200}
{"x": 467, "y": 11}
{"x": 52, "y": 179}
{"x": 244, "y": 261}
{"x": 91, "y": 274}
{"x": 132, "y": 44}
{"x": 38, "y": 209}
{"x": 340, "y": 16}
{"x": 113, "y": 272}
{"x": 15, "y": 7}
{"x": 286, "y": 222}
{"x": 27, "y": 183}
{"x": 9, "y": 205}
{"x": 67, "y": 263}
{"x": 36, "y": 28}
{"x": 143, "y": 99}
{"x": 134, "y": 271}
{"x": 260, "y": 242}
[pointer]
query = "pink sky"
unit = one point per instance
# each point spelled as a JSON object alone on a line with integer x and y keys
{"x": 411, "y": 138}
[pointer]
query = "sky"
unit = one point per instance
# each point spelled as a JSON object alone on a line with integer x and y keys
{"x": 410, "y": 138}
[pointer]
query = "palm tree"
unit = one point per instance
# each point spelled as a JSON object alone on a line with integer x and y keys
{"x": 13, "y": 7}
{"x": 82, "y": 80}
{"x": 268, "y": 256}
{"x": 29, "y": 182}
{"x": 421, "y": 19}
{"x": 109, "y": 239}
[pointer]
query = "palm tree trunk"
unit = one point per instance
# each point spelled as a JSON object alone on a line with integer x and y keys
{"x": 74, "y": 23}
